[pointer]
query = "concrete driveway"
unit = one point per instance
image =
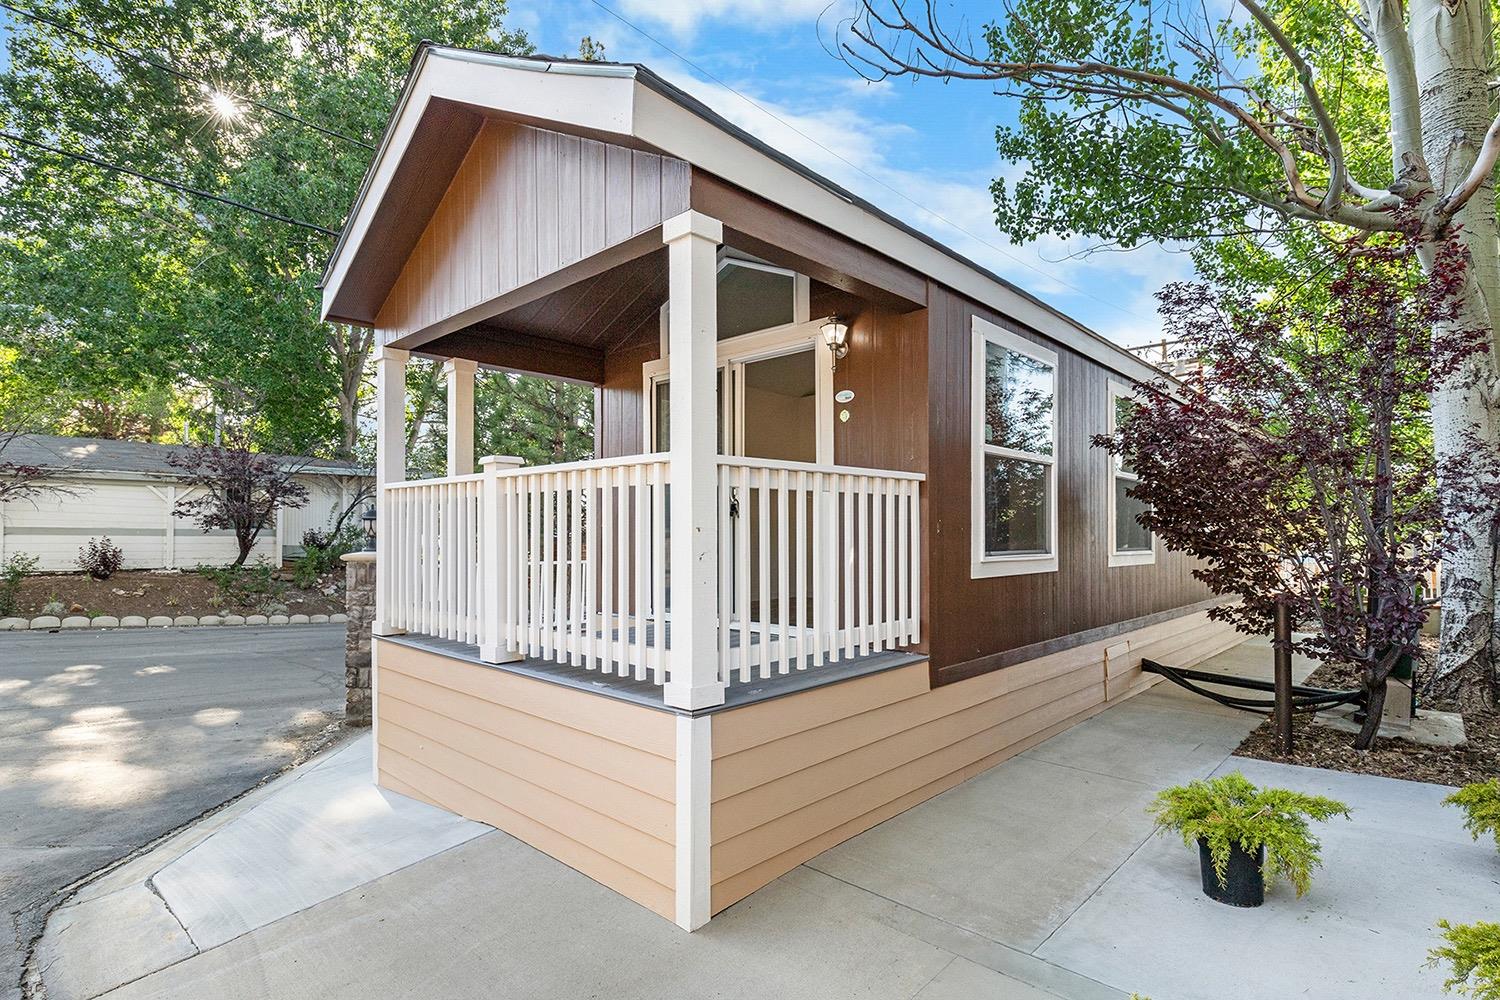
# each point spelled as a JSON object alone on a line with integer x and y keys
{"x": 108, "y": 740}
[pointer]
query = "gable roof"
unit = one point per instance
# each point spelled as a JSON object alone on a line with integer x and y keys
{"x": 628, "y": 104}
{"x": 96, "y": 456}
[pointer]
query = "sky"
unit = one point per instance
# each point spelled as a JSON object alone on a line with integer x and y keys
{"x": 923, "y": 151}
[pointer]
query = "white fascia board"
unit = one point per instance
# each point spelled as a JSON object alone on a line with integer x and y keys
{"x": 599, "y": 100}
{"x": 667, "y": 125}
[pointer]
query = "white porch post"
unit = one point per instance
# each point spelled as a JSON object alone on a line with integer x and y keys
{"x": 459, "y": 374}
{"x": 693, "y": 678}
{"x": 499, "y": 571}
{"x": 390, "y": 467}
{"x": 390, "y": 459}
{"x": 692, "y": 325}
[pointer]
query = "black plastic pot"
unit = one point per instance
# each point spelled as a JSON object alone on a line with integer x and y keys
{"x": 1244, "y": 885}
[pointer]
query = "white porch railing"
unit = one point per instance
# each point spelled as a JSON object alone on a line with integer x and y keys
{"x": 583, "y": 564}
{"x": 431, "y": 560}
{"x": 817, "y": 563}
{"x": 571, "y": 564}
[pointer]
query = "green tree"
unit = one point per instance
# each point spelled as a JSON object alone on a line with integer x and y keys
{"x": 114, "y": 286}
{"x": 544, "y": 421}
{"x": 1278, "y": 122}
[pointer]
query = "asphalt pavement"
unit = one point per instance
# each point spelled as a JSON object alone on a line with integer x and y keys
{"x": 111, "y": 739}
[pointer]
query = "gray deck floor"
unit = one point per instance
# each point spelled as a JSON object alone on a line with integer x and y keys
{"x": 649, "y": 693}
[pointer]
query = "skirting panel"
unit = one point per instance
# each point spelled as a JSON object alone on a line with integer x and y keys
{"x": 795, "y": 776}
{"x": 586, "y": 779}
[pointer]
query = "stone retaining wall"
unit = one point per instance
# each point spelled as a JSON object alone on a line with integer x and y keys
{"x": 49, "y": 623}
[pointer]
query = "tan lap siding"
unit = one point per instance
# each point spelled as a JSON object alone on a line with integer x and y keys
{"x": 797, "y": 775}
{"x": 588, "y": 780}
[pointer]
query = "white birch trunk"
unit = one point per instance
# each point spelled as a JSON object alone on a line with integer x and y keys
{"x": 1452, "y": 51}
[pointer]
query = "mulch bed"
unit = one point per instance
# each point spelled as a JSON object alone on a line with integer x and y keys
{"x": 136, "y": 592}
{"x": 1316, "y": 746}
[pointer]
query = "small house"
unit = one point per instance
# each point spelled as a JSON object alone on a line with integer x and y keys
{"x": 129, "y": 491}
{"x": 845, "y": 541}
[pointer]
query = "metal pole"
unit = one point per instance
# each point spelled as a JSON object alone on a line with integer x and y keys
{"x": 1283, "y": 647}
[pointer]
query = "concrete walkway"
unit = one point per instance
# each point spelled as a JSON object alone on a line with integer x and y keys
{"x": 320, "y": 831}
{"x": 1037, "y": 879}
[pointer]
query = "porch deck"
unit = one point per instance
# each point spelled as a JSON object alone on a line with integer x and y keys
{"x": 648, "y": 694}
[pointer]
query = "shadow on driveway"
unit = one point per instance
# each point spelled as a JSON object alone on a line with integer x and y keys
{"x": 108, "y": 740}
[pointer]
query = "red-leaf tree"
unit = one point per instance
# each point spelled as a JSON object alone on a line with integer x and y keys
{"x": 235, "y": 489}
{"x": 1298, "y": 467}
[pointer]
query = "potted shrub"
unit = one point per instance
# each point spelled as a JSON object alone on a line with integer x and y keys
{"x": 1247, "y": 837}
{"x": 1481, "y": 805}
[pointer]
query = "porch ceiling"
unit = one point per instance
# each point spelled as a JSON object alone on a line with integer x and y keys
{"x": 566, "y": 333}
{"x": 600, "y": 311}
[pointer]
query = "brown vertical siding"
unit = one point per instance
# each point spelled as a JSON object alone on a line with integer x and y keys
{"x": 976, "y": 619}
{"x": 795, "y": 776}
{"x": 620, "y": 427}
{"x": 525, "y": 203}
{"x": 588, "y": 780}
{"x": 886, "y": 369}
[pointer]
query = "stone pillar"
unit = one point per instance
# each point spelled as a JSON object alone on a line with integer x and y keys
{"x": 359, "y": 602}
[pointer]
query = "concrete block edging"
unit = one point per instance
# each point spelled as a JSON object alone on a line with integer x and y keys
{"x": 51, "y": 623}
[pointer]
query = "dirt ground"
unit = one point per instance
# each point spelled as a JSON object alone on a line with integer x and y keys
{"x": 1316, "y": 746}
{"x": 134, "y": 592}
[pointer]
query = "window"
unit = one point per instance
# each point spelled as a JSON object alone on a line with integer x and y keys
{"x": 754, "y": 296}
{"x": 1130, "y": 542}
{"x": 1014, "y": 512}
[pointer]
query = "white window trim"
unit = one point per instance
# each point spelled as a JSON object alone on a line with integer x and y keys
{"x": 801, "y": 294}
{"x": 1120, "y": 390}
{"x": 981, "y": 565}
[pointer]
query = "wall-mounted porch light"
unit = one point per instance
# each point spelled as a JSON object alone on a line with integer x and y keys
{"x": 836, "y": 336}
{"x": 368, "y": 519}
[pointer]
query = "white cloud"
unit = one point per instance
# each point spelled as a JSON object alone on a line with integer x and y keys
{"x": 856, "y": 86}
{"x": 682, "y": 17}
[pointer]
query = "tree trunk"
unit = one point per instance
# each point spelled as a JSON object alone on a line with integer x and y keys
{"x": 1374, "y": 708}
{"x": 348, "y": 415}
{"x": 351, "y": 350}
{"x": 1375, "y": 678}
{"x": 1452, "y": 49}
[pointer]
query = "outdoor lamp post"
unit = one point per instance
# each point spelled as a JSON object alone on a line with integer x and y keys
{"x": 836, "y": 336}
{"x": 368, "y": 518}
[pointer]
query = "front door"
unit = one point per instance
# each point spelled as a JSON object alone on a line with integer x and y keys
{"x": 774, "y": 402}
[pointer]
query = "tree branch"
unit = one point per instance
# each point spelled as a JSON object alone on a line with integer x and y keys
{"x": 1484, "y": 167}
{"x": 1336, "y": 170}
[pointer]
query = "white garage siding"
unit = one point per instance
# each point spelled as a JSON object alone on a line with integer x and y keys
{"x": 327, "y": 498}
{"x": 136, "y": 515}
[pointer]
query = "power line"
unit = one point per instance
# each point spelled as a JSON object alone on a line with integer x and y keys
{"x": 854, "y": 166}
{"x": 174, "y": 185}
{"x": 180, "y": 74}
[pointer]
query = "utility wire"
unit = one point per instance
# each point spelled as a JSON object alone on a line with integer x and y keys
{"x": 854, "y": 166}
{"x": 181, "y": 74}
{"x": 175, "y": 186}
